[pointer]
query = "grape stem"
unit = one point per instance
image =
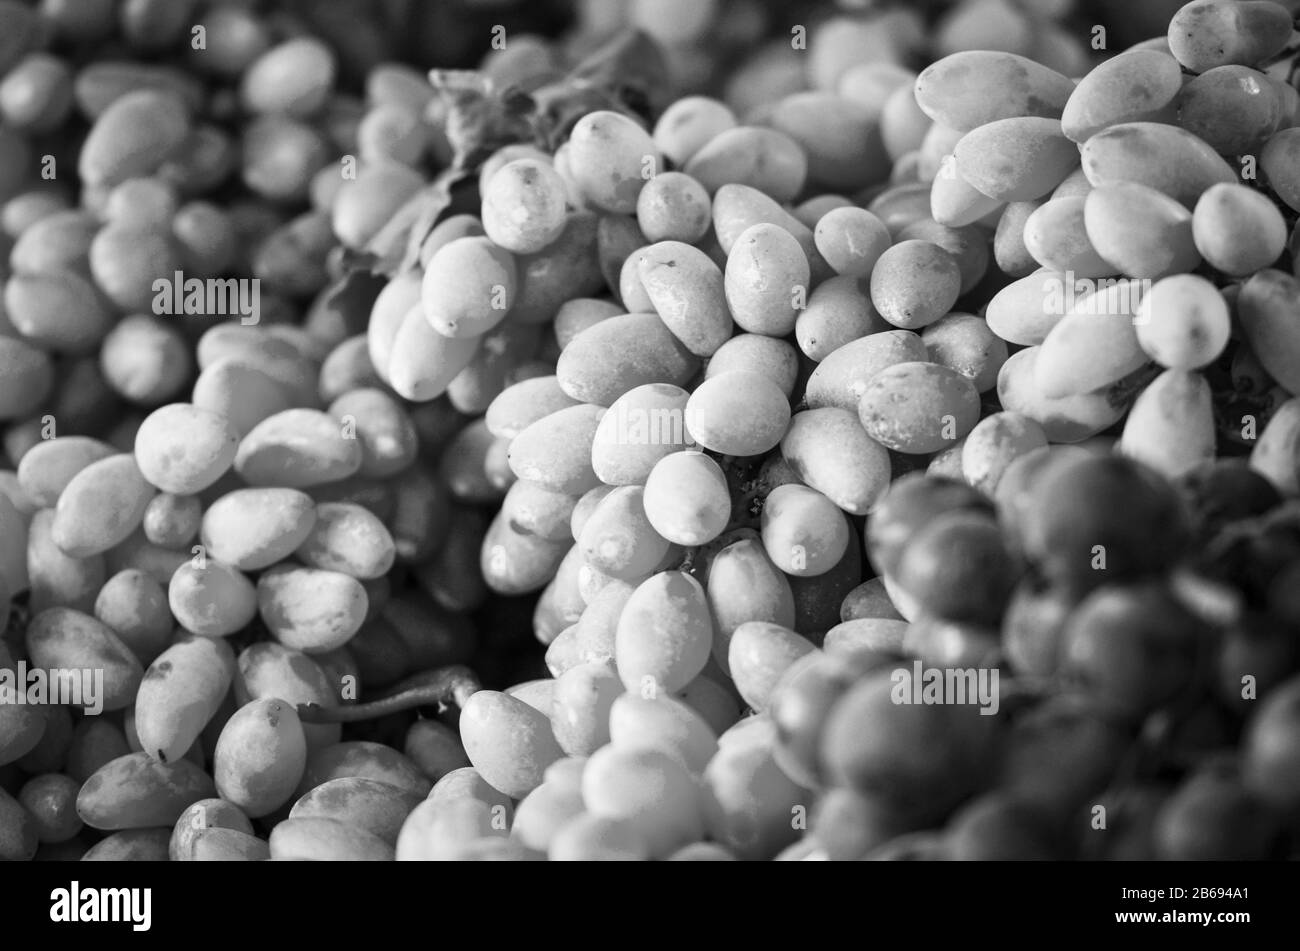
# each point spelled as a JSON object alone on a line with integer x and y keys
{"x": 441, "y": 687}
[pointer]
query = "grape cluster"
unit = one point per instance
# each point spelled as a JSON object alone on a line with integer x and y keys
{"x": 775, "y": 418}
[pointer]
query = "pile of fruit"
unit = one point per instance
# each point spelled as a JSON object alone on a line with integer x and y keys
{"x": 863, "y": 462}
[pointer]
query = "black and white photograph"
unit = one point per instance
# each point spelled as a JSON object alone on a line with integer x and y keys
{"x": 651, "y": 431}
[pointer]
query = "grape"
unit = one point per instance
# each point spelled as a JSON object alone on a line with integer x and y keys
{"x": 618, "y": 539}
{"x": 1238, "y": 230}
{"x": 966, "y": 343}
{"x": 686, "y": 289}
{"x": 674, "y": 207}
{"x": 621, "y": 353}
{"x": 568, "y": 266}
{"x": 954, "y": 199}
{"x": 664, "y": 634}
{"x": 584, "y": 695}
{"x": 63, "y": 638}
{"x": 744, "y": 586}
{"x": 260, "y": 757}
{"x": 1026, "y": 310}
{"x": 1267, "y": 308}
{"x": 804, "y": 533}
{"x": 972, "y": 88}
{"x": 958, "y": 568}
{"x": 1067, "y": 419}
{"x": 738, "y": 414}
{"x": 1137, "y": 86}
{"x": 611, "y": 158}
{"x": 759, "y": 653}
{"x": 1183, "y": 323}
{"x": 914, "y": 284}
{"x": 270, "y": 670}
{"x": 842, "y": 377}
{"x": 994, "y": 443}
{"x": 868, "y": 600}
{"x": 830, "y": 452}
{"x": 1212, "y": 817}
{"x": 1171, "y": 424}
{"x": 648, "y": 789}
{"x": 1122, "y": 523}
{"x": 1278, "y": 162}
{"x": 689, "y": 124}
{"x": 1110, "y": 342}
{"x": 137, "y": 792}
{"x": 1016, "y": 159}
{"x": 767, "y": 356}
{"x": 686, "y": 498}
{"x": 764, "y": 159}
{"x": 555, "y": 451}
{"x": 662, "y": 723}
{"x": 594, "y": 838}
{"x": 46, "y": 469}
{"x": 1055, "y": 234}
{"x": 968, "y": 245}
{"x": 851, "y": 240}
{"x": 838, "y": 312}
{"x": 514, "y": 563}
{"x": 1161, "y": 157}
{"x": 213, "y": 601}
{"x": 184, "y": 449}
{"x": 200, "y": 818}
{"x": 1233, "y": 108}
{"x": 918, "y": 407}
{"x": 996, "y": 827}
{"x": 840, "y": 136}
{"x": 920, "y": 758}
{"x": 523, "y": 207}
{"x": 1139, "y": 231}
{"x": 749, "y": 801}
{"x": 468, "y": 287}
{"x": 310, "y": 609}
{"x": 903, "y": 205}
{"x": 1204, "y": 34}
{"x": 1278, "y": 448}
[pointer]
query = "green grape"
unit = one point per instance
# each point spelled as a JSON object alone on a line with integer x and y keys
{"x": 842, "y": 377}
{"x": 621, "y": 353}
{"x": 1233, "y": 108}
{"x": 137, "y": 792}
{"x": 580, "y": 715}
{"x": 595, "y": 838}
{"x": 1278, "y": 161}
{"x": 1139, "y": 231}
{"x": 1009, "y": 250}
{"x": 1183, "y": 322}
{"x": 172, "y": 520}
{"x": 994, "y": 444}
{"x": 541, "y": 815}
{"x": 954, "y": 199}
{"x": 242, "y": 394}
{"x": 1204, "y": 34}
{"x": 840, "y": 137}
{"x": 555, "y": 451}
{"x": 1017, "y": 159}
{"x": 297, "y": 448}
{"x": 686, "y": 289}
{"x": 674, "y": 207}
{"x": 523, "y": 206}
{"x": 1026, "y": 310}
{"x": 611, "y": 158}
{"x": 901, "y": 205}
{"x": 260, "y": 757}
{"x": 650, "y": 790}
{"x": 965, "y": 343}
{"x": 1238, "y": 230}
{"x": 46, "y": 469}
{"x": 567, "y": 267}
{"x": 100, "y": 506}
{"x": 914, "y": 284}
{"x": 759, "y": 653}
{"x": 998, "y": 827}
{"x": 1065, "y": 419}
{"x": 738, "y": 414}
{"x": 867, "y": 601}
{"x": 183, "y": 449}
{"x": 664, "y": 634}
{"x": 749, "y": 801}
{"x": 468, "y": 287}
{"x": 851, "y": 240}
{"x": 1085, "y": 352}
{"x": 804, "y": 533}
{"x": 903, "y": 123}
{"x": 829, "y": 451}
{"x": 536, "y": 510}
{"x": 1137, "y": 86}
{"x": 423, "y": 362}
{"x": 918, "y": 407}
{"x": 1213, "y": 817}
{"x": 662, "y": 723}
{"x": 1274, "y": 455}
{"x": 768, "y": 356}
{"x": 1161, "y": 157}
{"x": 765, "y": 159}
{"x": 968, "y": 245}
{"x": 973, "y": 88}
{"x": 688, "y": 125}
{"x": 521, "y": 404}
{"x": 270, "y": 670}
{"x": 838, "y": 312}
{"x": 575, "y": 316}
{"x": 1267, "y": 308}
{"x": 55, "y": 578}
{"x": 957, "y": 568}
{"x": 766, "y": 280}
{"x": 618, "y": 540}
{"x": 744, "y": 585}
{"x": 59, "y": 638}
{"x": 514, "y": 563}
{"x": 872, "y": 635}
{"x": 326, "y": 840}
{"x": 1056, "y": 235}
{"x": 214, "y": 601}
{"x": 309, "y": 609}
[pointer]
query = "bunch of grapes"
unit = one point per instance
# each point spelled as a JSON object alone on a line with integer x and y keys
{"x": 771, "y": 420}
